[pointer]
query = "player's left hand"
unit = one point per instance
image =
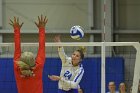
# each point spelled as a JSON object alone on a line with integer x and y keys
{"x": 54, "y": 77}
{"x": 15, "y": 23}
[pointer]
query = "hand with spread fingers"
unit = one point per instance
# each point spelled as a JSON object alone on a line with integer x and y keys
{"x": 54, "y": 77}
{"x": 15, "y": 23}
{"x": 41, "y": 21}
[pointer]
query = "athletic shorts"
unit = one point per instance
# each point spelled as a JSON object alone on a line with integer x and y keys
{"x": 70, "y": 91}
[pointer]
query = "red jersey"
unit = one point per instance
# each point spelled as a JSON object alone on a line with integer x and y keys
{"x": 30, "y": 84}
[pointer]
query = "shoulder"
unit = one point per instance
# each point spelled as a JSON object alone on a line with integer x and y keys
{"x": 80, "y": 70}
{"x": 81, "y": 67}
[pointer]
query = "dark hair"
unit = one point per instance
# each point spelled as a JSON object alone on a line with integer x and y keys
{"x": 81, "y": 53}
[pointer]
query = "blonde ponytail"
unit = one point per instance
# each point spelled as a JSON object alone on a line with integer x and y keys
{"x": 25, "y": 69}
{"x": 27, "y": 61}
{"x": 83, "y": 49}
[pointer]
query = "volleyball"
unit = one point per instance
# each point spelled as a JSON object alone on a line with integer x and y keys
{"x": 76, "y": 32}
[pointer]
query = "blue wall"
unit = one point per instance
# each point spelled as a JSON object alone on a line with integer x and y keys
{"x": 90, "y": 82}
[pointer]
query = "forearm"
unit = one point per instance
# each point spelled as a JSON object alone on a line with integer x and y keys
{"x": 41, "y": 50}
{"x": 40, "y": 59}
{"x": 17, "y": 43}
{"x": 61, "y": 53}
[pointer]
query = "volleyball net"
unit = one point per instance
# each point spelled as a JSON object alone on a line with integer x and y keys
{"x": 104, "y": 62}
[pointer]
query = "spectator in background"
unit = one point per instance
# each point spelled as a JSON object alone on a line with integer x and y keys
{"x": 112, "y": 87}
{"x": 122, "y": 88}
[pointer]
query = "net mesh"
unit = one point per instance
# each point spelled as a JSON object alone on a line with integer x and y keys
{"x": 120, "y": 64}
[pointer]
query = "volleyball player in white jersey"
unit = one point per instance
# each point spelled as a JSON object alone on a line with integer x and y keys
{"x": 72, "y": 70}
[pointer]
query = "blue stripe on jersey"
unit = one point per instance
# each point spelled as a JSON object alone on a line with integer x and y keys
{"x": 79, "y": 75}
{"x": 81, "y": 65}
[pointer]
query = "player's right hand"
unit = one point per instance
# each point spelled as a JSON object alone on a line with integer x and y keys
{"x": 15, "y": 23}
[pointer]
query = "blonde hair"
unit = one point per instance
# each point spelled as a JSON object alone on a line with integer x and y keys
{"x": 28, "y": 58}
{"x": 25, "y": 69}
{"x": 82, "y": 51}
{"x": 27, "y": 61}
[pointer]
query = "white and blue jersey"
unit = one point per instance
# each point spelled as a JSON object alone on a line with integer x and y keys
{"x": 70, "y": 75}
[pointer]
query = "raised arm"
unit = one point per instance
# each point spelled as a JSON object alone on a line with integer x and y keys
{"x": 15, "y": 24}
{"x": 61, "y": 51}
{"x": 41, "y": 26}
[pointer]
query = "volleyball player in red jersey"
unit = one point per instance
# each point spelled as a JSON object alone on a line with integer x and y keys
{"x": 27, "y": 69}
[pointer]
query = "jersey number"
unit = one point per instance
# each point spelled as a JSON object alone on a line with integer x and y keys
{"x": 67, "y": 74}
